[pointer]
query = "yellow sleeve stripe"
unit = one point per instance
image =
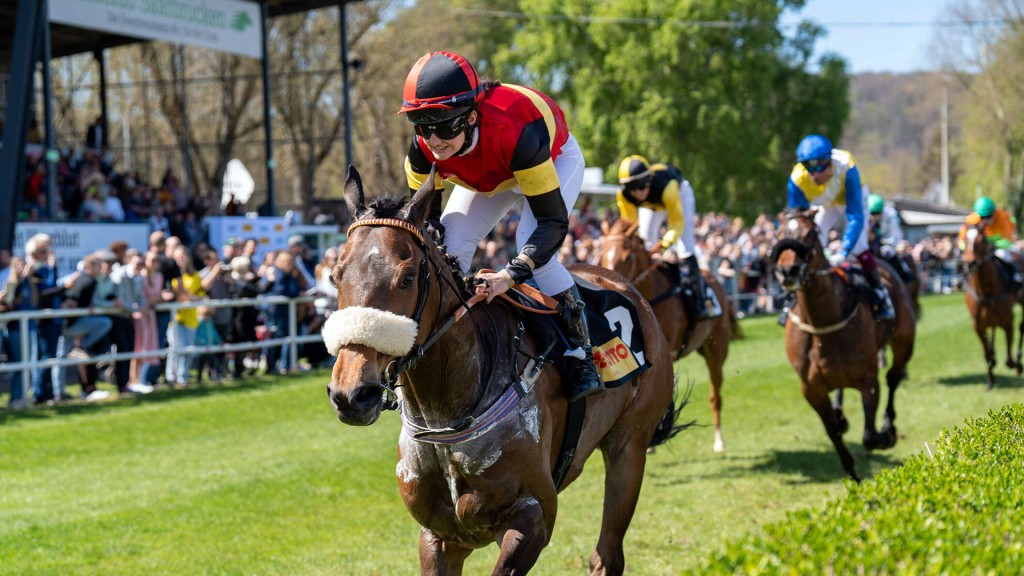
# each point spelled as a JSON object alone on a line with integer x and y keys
{"x": 674, "y": 207}
{"x": 415, "y": 179}
{"x": 627, "y": 209}
{"x": 539, "y": 179}
{"x": 540, "y": 105}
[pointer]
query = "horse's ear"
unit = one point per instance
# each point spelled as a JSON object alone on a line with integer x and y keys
{"x": 605, "y": 228}
{"x": 417, "y": 209}
{"x": 354, "y": 192}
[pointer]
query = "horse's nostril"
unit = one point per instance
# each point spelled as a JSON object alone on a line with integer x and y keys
{"x": 366, "y": 396}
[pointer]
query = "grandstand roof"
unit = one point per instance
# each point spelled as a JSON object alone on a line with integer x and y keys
{"x": 68, "y": 40}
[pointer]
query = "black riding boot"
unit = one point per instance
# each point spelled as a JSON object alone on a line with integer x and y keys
{"x": 579, "y": 368}
{"x": 885, "y": 309}
{"x": 703, "y": 299}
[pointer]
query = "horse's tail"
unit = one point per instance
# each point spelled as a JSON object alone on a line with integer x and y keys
{"x": 735, "y": 330}
{"x": 669, "y": 425}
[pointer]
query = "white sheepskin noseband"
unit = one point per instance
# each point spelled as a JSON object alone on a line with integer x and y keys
{"x": 381, "y": 330}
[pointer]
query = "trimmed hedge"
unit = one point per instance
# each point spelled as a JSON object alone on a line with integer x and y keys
{"x": 958, "y": 510}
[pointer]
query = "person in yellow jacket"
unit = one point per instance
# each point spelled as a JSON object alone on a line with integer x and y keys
{"x": 1000, "y": 231}
{"x": 650, "y": 195}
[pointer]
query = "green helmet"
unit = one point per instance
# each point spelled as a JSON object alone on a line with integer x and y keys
{"x": 984, "y": 206}
{"x": 875, "y": 203}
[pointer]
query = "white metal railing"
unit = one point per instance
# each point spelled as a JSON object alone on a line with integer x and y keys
{"x": 27, "y": 366}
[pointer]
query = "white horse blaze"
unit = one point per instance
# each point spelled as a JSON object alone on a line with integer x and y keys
{"x": 384, "y": 331}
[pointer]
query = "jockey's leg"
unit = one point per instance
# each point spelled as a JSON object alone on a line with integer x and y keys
{"x": 1013, "y": 262}
{"x": 697, "y": 288}
{"x": 885, "y": 308}
{"x": 580, "y": 370}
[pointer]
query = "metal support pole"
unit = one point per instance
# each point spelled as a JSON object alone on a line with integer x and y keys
{"x": 24, "y": 56}
{"x": 101, "y": 59}
{"x": 267, "y": 122}
{"x": 293, "y": 331}
{"x": 945, "y": 143}
{"x": 52, "y": 155}
{"x": 26, "y": 354}
{"x": 347, "y": 99}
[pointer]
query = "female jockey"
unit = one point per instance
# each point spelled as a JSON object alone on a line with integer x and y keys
{"x": 500, "y": 143}
{"x": 648, "y": 196}
{"x": 828, "y": 177}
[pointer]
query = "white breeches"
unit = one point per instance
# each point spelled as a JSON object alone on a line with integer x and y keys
{"x": 828, "y": 216}
{"x": 652, "y": 220}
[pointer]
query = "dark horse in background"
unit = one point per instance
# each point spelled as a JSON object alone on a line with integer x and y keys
{"x": 832, "y": 338}
{"x": 990, "y": 300}
{"x": 902, "y": 264}
{"x": 623, "y": 251}
{"x": 481, "y": 430}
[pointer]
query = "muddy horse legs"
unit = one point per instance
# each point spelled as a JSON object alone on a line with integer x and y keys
{"x": 624, "y": 462}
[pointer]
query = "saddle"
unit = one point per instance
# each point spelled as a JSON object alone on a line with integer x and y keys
{"x": 615, "y": 332}
{"x": 898, "y": 263}
{"x": 858, "y": 283}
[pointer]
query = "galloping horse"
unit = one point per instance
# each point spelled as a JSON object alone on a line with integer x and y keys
{"x": 832, "y": 338}
{"x": 481, "y": 428}
{"x": 990, "y": 301}
{"x": 624, "y": 252}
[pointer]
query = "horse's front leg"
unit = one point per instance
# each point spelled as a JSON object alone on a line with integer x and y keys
{"x": 440, "y": 558}
{"x": 869, "y": 395}
{"x": 521, "y": 542}
{"x": 990, "y": 354}
{"x": 837, "y": 409}
{"x": 1020, "y": 344}
{"x": 1010, "y": 357}
{"x": 817, "y": 397}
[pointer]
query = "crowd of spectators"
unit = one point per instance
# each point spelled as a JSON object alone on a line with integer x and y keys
{"x": 180, "y": 266}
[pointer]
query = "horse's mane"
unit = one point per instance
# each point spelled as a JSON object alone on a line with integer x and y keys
{"x": 386, "y": 206}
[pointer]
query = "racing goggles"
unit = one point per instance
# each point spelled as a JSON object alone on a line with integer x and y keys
{"x": 637, "y": 184}
{"x": 445, "y": 130}
{"x": 817, "y": 165}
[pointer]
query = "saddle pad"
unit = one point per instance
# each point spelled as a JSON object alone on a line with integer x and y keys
{"x": 615, "y": 333}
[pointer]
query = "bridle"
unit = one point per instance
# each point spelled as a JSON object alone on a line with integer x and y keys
{"x": 805, "y": 251}
{"x": 391, "y": 372}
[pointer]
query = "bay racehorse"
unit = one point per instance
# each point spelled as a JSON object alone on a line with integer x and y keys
{"x": 623, "y": 250}
{"x": 481, "y": 429}
{"x": 990, "y": 300}
{"x": 832, "y": 338}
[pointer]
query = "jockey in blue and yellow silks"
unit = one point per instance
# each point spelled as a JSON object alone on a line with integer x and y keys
{"x": 828, "y": 177}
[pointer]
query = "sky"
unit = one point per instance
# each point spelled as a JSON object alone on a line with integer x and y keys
{"x": 876, "y": 35}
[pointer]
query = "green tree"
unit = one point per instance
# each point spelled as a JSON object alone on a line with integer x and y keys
{"x": 714, "y": 87}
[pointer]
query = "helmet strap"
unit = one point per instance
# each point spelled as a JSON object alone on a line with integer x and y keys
{"x": 472, "y": 135}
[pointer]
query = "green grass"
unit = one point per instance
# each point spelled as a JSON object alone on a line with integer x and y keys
{"x": 260, "y": 478}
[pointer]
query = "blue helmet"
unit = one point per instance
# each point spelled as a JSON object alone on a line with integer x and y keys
{"x": 813, "y": 147}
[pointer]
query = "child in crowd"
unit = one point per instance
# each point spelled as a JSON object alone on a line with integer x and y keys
{"x": 206, "y": 335}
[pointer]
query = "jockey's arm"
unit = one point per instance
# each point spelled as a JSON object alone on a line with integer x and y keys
{"x": 854, "y": 210}
{"x": 796, "y": 197}
{"x": 543, "y": 244}
{"x": 674, "y": 207}
{"x": 627, "y": 209}
{"x": 535, "y": 173}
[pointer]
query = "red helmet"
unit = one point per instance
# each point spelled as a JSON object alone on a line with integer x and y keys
{"x": 440, "y": 86}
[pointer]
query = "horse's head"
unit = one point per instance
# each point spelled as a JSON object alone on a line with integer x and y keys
{"x": 798, "y": 250}
{"x": 383, "y": 280}
{"x": 976, "y": 249}
{"x": 621, "y": 249}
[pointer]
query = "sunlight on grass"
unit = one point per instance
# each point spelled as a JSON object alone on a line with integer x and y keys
{"x": 260, "y": 478}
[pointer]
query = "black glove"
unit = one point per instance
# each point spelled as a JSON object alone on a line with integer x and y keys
{"x": 436, "y": 230}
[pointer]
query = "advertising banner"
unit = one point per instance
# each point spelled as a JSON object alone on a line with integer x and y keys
{"x": 71, "y": 242}
{"x": 225, "y": 25}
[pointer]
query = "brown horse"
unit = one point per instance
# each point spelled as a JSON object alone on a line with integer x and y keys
{"x": 481, "y": 427}
{"x": 990, "y": 301}
{"x": 832, "y": 338}
{"x": 623, "y": 251}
